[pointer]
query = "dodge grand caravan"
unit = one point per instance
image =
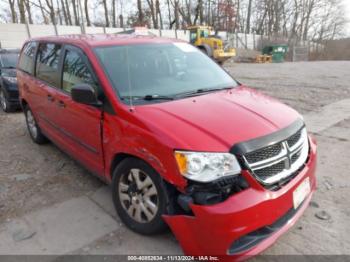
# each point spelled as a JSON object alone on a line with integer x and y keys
{"x": 180, "y": 141}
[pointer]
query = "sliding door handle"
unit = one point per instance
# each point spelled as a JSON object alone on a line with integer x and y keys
{"x": 50, "y": 98}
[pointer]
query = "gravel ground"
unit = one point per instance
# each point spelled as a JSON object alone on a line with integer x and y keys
{"x": 34, "y": 177}
{"x": 305, "y": 86}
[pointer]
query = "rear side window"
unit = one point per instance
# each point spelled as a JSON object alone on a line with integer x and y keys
{"x": 75, "y": 71}
{"x": 26, "y": 61}
{"x": 47, "y": 63}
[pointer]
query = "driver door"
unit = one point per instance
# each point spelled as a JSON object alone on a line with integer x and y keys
{"x": 80, "y": 124}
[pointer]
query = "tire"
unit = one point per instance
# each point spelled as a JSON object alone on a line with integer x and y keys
{"x": 33, "y": 128}
{"x": 4, "y": 103}
{"x": 139, "y": 205}
{"x": 203, "y": 50}
{"x": 206, "y": 49}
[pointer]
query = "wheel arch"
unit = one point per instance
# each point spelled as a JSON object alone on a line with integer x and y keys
{"x": 24, "y": 103}
{"x": 170, "y": 189}
{"x": 117, "y": 159}
{"x": 120, "y": 156}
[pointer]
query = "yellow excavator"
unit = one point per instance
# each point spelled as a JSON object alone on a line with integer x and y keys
{"x": 212, "y": 45}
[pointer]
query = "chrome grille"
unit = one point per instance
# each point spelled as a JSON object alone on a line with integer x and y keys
{"x": 279, "y": 161}
{"x": 264, "y": 153}
{"x": 271, "y": 170}
{"x": 294, "y": 139}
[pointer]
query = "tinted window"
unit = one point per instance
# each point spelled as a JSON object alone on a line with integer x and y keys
{"x": 9, "y": 60}
{"x": 26, "y": 62}
{"x": 75, "y": 71}
{"x": 47, "y": 63}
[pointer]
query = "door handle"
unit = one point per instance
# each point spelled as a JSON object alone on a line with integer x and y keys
{"x": 50, "y": 98}
{"x": 61, "y": 104}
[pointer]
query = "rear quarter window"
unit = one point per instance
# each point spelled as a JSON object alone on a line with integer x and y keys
{"x": 26, "y": 61}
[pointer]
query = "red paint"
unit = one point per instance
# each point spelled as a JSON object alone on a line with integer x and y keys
{"x": 211, "y": 122}
{"x": 214, "y": 228}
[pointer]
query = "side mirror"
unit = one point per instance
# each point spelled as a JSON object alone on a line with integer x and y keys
{"x": 84, "y": 94}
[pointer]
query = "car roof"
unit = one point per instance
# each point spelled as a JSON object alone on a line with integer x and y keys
{"x": 94, "y": 40}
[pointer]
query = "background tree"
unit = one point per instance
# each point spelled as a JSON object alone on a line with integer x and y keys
{"x": 69, "y": 16}
{"x": 87, "y": 17}
{"x": 106, "y": 12}
{"x": 114, "y": 15}
{"x": 29, "y": 11}
{"x": 75, "y": 11}
{"x": 13, "y": 11}
{"x": 22, "y": 12}
{"x": 292, "y": 20}
{"x": 154, "y": 14}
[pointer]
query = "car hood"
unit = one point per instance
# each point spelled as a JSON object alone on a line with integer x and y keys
{"x": 217, "y": 121}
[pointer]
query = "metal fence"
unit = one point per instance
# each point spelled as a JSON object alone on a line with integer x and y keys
{"x": 300, "y": 53}
{"x": 13, "y": 36}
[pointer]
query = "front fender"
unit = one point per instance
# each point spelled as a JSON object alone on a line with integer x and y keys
{"x": 121, "y": 137}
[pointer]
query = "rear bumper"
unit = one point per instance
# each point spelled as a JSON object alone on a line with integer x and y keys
{"x": 264, "y": 214}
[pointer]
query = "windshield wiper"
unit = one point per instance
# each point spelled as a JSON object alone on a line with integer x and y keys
{"x": 201, "y": 91}
{"x": 157, "y": 97}
{"x": 149, "y": 97}
{"x": 8, "y": 67}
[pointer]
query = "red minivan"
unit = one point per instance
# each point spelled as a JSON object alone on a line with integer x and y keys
{"x": 180, "y": 141}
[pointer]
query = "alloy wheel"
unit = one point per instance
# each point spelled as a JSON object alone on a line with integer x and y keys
{"x": 32, "y": 124}
{"x": 138, "y": 196}
{"x": 3, "y": 101}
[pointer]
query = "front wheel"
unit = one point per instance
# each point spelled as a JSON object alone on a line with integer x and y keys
{"x": 139, "y": 196}
{"x": 4, "y": 103}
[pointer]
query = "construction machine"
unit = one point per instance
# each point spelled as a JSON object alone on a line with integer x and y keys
{"x": 210, "y": 44}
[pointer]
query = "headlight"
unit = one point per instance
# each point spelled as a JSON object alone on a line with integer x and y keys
{"x": 12, "y": 80}
{"x": 206, "y": 167}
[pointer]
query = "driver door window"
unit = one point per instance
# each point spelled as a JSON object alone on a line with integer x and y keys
{"x": 75, "y": 71}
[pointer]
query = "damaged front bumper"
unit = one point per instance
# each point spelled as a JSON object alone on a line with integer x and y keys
{"x": 247, "y": 222}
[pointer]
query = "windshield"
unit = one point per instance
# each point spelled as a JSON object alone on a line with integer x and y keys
{"x": 161, "y": 70}
{"x": 9, "y": 60}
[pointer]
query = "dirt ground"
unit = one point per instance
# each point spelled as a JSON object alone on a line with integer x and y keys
{"x": 305, "y": 86}
{"x": 34, "y": 178}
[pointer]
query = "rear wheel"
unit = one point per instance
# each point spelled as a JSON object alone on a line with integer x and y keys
{"x": 33, "y": 128}
{"x": 4, "y": 103}
{"x": 139, "y": 196}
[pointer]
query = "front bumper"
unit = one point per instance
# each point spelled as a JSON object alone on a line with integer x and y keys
{"x": 214, "y": 229}
{"x": 221, "y": 55}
